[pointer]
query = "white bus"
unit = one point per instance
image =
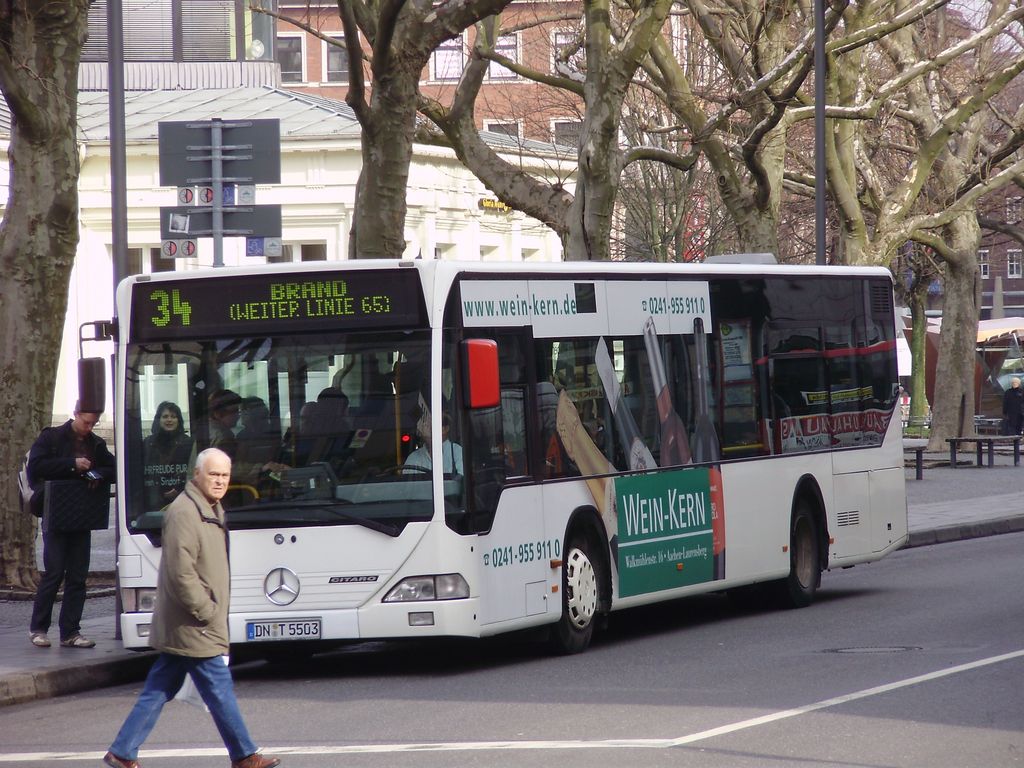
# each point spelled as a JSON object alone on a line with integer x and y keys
{"x": 428, "y": 449}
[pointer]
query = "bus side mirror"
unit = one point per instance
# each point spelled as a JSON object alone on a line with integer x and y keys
{"x": 480, "y": 373}
{"x": 92, "y": 385}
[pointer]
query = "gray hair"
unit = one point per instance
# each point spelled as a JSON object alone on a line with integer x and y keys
{"x": 209, "y": 453}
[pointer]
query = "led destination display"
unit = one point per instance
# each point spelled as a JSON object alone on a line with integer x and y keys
{"x": 278, "y": 303}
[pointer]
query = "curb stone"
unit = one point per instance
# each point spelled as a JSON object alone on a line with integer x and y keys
{"x": 977, "y": 530}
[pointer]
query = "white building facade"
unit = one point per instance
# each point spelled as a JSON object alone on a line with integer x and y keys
{"x": 451, "y": 215}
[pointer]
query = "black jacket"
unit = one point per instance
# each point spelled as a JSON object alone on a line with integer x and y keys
{"x": 53, "y": 458}
{"x": 1013, "y": 403}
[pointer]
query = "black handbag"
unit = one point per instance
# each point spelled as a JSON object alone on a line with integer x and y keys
{"x": 72, "y": 505}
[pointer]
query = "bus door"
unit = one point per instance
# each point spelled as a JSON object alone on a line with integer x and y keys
{"x": 851, "y": 476}
{"x": 504, "y": 503}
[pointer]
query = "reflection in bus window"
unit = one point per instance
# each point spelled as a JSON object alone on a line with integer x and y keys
{"x": 320, "y": 419}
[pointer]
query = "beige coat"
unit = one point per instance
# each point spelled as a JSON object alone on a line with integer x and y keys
{"x": 191, "y": 614}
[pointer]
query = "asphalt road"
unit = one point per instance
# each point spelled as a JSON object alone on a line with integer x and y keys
{"x": 912, "y": 661}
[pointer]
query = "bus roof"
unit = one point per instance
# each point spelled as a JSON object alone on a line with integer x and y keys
{"x": 450, "y": 269}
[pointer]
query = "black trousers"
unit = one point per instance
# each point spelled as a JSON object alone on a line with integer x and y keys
{"x": 65, "y": 559}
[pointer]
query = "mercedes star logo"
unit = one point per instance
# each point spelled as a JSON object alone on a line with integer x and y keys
{"x": 281, "y": 586}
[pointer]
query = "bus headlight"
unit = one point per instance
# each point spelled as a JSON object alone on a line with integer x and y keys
{"x": 446, "y": 586}
{"x": 138, "y": 600}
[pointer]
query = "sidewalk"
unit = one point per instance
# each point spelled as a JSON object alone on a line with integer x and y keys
{"x": 947, "y": 505}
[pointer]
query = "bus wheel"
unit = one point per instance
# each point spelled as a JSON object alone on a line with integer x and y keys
{"x": 581, "y": 574}
{"x": 797, "y": 590}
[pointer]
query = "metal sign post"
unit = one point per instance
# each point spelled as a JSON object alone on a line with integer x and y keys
{"x": 216, "y": 176}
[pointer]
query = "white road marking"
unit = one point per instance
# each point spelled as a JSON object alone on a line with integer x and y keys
{"x": 486, "y": 746}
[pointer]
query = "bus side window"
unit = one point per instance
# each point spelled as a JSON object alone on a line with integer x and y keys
{"x": 741, "y": 400}
{"x": 638, "y": 419}
{"x": 575, "y": 376}
{"x": 550, "y": 382}
{"x": 512, "y": 380}
{"x": 800, "y": 395}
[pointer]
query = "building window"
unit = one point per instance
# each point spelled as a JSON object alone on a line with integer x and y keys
{"x": 567, "y": 132}
{"x": 506, "y": 46}
{"x": 1013, "y": 263}
{"x": 204, "y": 24}
{"x": 304, "y": 251}
{"x": 337, "y": 61}
{"x": 566, "y": 52}
{"x": 507, "y": 127}
{"x": 285, "y": 257}
{"x": 289, "y": 55}
{"x": 146, "y": 261}
{"x": 313, "y": 252}
{"x": 983, "y": 263}
{"x": 448, "y": 60}
{"x": 1013, "y": 210}
{"x": 148, "y": 32}
{"x": 184, "y": 30}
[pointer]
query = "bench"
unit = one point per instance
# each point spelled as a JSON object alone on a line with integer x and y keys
{"x": 917, "y": 446}
{"x": 984, "y": 440}
{"x": 987, "y": 426}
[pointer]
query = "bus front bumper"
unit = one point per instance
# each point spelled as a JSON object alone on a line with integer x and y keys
{"x": 438, "y": 618}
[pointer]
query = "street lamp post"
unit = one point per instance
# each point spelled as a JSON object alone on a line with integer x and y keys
{"x": 819, "y": 132}
{"x": 118, "y": 188}
{"x": 118, "y": 170}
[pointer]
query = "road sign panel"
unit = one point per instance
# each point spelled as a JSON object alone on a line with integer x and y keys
{"x": 186, "y": 222}
{"x": 186, "y": 195}
{"x": 227, "y": 195}
{"x": 178, "y": 249}
{"x": 271, "y": 247}
{"x": 251, "y": 151}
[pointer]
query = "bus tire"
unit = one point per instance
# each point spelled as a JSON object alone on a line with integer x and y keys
{"x": 798, "y": 588}
{"x": 582, "y": 572}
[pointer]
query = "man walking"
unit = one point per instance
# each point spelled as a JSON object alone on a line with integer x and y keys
{"x": 68, "y": 452}
{"x": 190, "y": 621}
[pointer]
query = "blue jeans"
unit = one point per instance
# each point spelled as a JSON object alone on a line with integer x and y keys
{"x": 213, "y": 681}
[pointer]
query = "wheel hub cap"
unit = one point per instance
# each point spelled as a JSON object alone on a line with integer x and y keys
{"x": 581, "y": 587}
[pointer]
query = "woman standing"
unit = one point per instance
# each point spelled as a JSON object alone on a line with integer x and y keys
{"x": 166, "y": 453}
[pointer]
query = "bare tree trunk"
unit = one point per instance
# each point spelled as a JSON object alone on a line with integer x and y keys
{"x": 953, "y": 409}
{"x": 597, "y": 183}
{"x": 378, "y": 222}
{"x": 40, "y": 47}
{"x": 400, "y": 38}
{"x": 610, "y": 69}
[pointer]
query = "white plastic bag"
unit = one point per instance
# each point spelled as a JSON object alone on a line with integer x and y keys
{"x": 189, "y": 694}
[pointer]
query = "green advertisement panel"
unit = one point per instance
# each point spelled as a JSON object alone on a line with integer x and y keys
{"x": 665, "y": 533}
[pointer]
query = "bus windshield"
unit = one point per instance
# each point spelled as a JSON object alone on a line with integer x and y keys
{"x": 318, "y": 427}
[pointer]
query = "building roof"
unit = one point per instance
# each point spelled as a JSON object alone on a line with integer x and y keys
{"x": 301, "y": 116}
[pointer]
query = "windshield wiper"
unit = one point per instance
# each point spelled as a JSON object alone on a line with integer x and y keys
{"x": 318, "y": 505}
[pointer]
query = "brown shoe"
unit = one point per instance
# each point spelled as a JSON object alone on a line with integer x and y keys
{"x": 255, "y": 760}
{"x": 119, "y": 762}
